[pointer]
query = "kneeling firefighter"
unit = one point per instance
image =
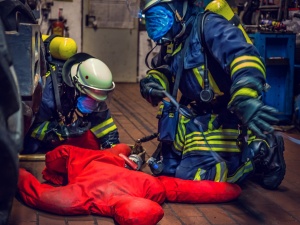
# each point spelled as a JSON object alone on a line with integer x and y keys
{"x": 74, "y": 108}
{"x": 221, "y": 77}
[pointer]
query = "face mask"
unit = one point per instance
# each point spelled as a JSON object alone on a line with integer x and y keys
{"x": 86, "y": 104}
{"x": 159, "y": 21}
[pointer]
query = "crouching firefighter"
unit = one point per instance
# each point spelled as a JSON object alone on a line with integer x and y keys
{"x": 74, "y": 108}
{"x": 221, "y": 76}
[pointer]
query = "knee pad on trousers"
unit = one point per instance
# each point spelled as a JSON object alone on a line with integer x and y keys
{"x": 216, "y": 173}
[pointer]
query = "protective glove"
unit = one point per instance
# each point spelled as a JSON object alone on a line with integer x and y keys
{"x": 151, "y": 91}
{"x": 254, "y": 114}
{"x": 75, "y": 129}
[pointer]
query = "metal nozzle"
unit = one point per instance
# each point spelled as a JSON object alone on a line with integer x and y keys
{"x": 186, "y": 112}
{"x": 156, "y": 166}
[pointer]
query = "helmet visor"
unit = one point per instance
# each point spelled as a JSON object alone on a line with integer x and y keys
{"x": 96, "y": 93}
{"x": 86, "y": 104}
{"x": 138, "y": 7}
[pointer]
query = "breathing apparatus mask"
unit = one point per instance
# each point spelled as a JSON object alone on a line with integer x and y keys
{"x": 159, "y": 20}
{"x": 86, "y": 104}
{"x": 164, "y": 18}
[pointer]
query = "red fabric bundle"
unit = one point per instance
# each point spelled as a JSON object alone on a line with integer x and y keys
{"x": 189, "y": 191}
{"x": 97, "y": 183}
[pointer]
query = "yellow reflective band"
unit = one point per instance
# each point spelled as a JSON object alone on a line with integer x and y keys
{"x": 212, "y": 82}
{"x": 198, "y": 76}
{"x": 221, "y": 172}
{"x": 199, "y": 173}
{"x": 104, "y": 128}
{"x": 40, "y": 132}
{"x": 181, "y": 127}
{"x": 251, "y": 137}
{"x": 179, "y": 138}
{"x": 179, "y": 142}
{"x": 212, "y": 143}
{"x": 178, "y": 147}
{"x": 209, "y": 148}
{"x": 259, "y": 140}
{"x": 184, "y": 119}
{"x": 246, "y": 168}
{"x": 248, "y": 65}
{"x": 247, "y": 58}
{"x": 266, "y": 143}
{"x": 161, "y": 78}
{"x": 170, "y": 48}
{"x": 210, "y": 122}
{"x": 247, "y": 92}
{"x": 48, "y": 72}
{"x": 226, "y": 134}
{"x": 197, "y": 143}
{"x": 181, "y": 131}
{"x": 244, "y": 92}
{"x": 60, "y": 137}
{"x": 214, "y": 85}
{"x": 177, "y": 50}
{"x": 160, "y": 109}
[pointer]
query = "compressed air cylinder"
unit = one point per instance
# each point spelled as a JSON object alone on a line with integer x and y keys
{"x": 222, "y": 8}
{"x": 61, "y": 47}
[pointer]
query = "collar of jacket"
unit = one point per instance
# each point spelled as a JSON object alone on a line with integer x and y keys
{"x": 193, "y": 56}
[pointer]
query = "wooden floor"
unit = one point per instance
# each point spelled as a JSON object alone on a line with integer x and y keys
{"x": 135, "y": 119}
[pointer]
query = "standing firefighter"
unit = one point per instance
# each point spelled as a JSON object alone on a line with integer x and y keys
{"x": 222, "y": 79}
{"x": 74, "y": 105}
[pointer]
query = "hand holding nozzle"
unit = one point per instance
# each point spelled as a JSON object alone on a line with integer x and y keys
{"x": 186, "y": 112}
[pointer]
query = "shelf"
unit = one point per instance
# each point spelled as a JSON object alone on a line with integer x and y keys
{"x": 277, "y": 61}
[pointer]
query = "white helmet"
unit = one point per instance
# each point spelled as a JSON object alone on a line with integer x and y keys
{"x": 91, "y": 77}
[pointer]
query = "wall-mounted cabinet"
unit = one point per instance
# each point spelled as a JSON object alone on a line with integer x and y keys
{"x": 278, "y": 50}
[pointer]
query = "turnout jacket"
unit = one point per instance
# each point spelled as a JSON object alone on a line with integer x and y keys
{"x": 230, "y": 58}
{"x": 43, "y": 136}
{"x": 231, "y": 61}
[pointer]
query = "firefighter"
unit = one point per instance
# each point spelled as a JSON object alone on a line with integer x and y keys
{"x": 74, "y": 108}
{"x": 230, "y": 135}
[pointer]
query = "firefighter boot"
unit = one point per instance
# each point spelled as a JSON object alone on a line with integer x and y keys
{"x": 269, "y": 161}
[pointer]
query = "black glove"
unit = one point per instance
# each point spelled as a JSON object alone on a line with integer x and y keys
{"x": 151, "y": 91}
{"x": 254, "y": 114}
{"x": 75, "y": 129}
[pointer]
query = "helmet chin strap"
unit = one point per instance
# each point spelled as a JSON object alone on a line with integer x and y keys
{"x": 180, "y": 18}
